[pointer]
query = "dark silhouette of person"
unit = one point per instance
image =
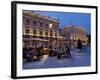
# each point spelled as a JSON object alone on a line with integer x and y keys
{"x": 59, "y": 55}
{"x": 79, "y": 45}
{"x": 68, "y": 52}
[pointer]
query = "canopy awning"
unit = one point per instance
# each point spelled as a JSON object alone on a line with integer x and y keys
{"x": 36, "y": 39}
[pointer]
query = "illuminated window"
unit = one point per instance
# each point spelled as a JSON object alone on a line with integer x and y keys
{"x": 27, "y": 31}
{"x": 46, "y": 33}
{"x": 41, "y": 32}
{"x": 34, "y": 31}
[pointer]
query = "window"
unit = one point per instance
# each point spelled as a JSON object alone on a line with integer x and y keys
{"x": 27, "y": 22}
{"x": 55, "y": 34}
{"x": 46, "y": 33}
{"x": 34, "y": 31}
{"x": 25, "y": 43}
{"x": 41, "y": 24}
{"x": 34, "y": 23}
{"x": 46, "y": 25}
{"x": 41, "y": 32}
{"x": 27, "y": 31}
{"x": 55, "y": 27}
{"x": 51, "y": 33}
{"x": 26, "y": 26}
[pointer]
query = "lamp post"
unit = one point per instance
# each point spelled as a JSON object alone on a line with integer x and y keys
{"x": 72, "y": 41}
{"x": 50, "y": 26}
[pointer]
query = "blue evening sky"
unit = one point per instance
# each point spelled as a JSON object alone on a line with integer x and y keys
{"x": 67, "y": 18}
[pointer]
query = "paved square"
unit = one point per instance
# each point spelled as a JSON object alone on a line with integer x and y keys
{"x": 78, "y": 59}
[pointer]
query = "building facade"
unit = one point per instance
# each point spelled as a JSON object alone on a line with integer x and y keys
{"x": 39, "y": 30}
{"x": 72, "y": 33}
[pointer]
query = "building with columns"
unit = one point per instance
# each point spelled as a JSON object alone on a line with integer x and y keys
{"x": 39, "y": 30}
{"x": 72, "y": 33}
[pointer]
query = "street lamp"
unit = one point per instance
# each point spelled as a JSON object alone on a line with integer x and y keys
{"x": 72, "y": 41}
{"x": 50, "y": 26}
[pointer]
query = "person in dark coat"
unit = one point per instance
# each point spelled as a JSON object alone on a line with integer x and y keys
{"x": 29, "y": 53}
{"x": 79, "y": 44}
{"x": 68, "y": 54}
{"x": 50, "y": 50}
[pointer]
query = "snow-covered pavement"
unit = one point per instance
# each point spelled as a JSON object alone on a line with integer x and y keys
{"x": 78, "y": 59}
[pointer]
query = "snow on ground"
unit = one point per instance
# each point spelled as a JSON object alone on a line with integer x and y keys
{"x": 78, "y": 59}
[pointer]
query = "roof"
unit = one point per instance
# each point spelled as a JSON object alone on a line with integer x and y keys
{"x": 75, "y": 27}
{"x": 40, "y": 16}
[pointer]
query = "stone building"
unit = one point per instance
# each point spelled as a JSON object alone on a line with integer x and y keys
{"x": 72, "y": 33}
{"x": 39, "y": 30}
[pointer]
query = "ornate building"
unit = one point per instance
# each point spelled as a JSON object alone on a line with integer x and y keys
{"x": 72, "y": 33}
{"x": 39, "y": 30}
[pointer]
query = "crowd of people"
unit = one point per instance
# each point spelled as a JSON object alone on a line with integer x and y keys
{"x": 37, "y": 53}
{"x": 30, "y": 53}
{"x": 60, "y": 52}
